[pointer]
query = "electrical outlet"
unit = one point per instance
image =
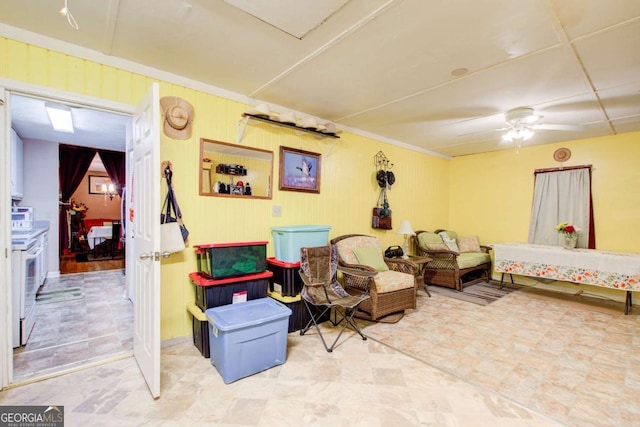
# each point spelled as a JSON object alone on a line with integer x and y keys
{"x": 276, "y": 210}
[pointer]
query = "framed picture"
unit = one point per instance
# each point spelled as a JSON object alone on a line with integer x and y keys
{"x": 299, "y": 170}
{"x": 96, "y": 183}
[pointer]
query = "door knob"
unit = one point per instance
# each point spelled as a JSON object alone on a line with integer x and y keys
{"x": 166, "y": 254}
{"x": 145, "y": 256}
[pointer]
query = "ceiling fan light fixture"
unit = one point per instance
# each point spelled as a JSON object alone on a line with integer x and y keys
{"x": 518, "y": 134}
{"x": 521, "y": 115}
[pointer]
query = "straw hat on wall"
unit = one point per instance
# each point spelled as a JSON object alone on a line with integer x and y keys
{"x": 177, "y": 117}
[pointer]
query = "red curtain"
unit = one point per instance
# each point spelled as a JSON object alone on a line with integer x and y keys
{"x": 114, "y": 164}
{"x": 74, "y": 164}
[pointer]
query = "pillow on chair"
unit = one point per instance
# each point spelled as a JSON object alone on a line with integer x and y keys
{"x": 371, "y": 256}
{"x": 438, "y": 247}
{"x": 450, "y": 242}
{"x": 469, "y": 244}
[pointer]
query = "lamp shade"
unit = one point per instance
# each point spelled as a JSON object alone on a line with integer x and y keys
{"x": 405, "y": 228}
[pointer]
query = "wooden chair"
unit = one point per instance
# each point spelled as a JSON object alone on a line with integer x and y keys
{"x": 450, "y": 268}
{"x": 392, "y": 290}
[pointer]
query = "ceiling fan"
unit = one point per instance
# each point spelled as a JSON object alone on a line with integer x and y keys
{"x": 522, "y": 123}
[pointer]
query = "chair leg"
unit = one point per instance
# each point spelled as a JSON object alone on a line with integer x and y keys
{"x": 347, "y": 317}
{"x": 313, "y": 321}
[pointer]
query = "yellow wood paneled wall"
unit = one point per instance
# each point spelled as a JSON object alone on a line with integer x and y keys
{"x": 493, "y": 192}
{"x": 348, "y": 187}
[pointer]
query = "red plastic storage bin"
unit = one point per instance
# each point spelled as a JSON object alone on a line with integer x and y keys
{"x": 286, "y": 280}
{"x": 213, "y": 293}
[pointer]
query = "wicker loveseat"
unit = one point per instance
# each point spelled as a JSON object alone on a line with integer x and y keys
{"x": 391, "y": 290}
{"x": 456, "y": 262}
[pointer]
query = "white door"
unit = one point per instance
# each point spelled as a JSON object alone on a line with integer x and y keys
{"x": 146, "y": 237}
{"x": 6, "y": 347}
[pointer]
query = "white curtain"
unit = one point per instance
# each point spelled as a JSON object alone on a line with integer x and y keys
{"x": 560, "y": 196}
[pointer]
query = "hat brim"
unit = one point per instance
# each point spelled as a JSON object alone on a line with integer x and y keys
{"x": 177, "y": 133}
{"x": 172, "y": 101}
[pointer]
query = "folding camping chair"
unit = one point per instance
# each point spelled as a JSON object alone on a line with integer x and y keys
{"x": 322, "y": 293}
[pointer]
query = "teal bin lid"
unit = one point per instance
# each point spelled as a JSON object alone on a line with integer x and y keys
{"x": 301, "y": 228}
{"x": 249, "y": 313}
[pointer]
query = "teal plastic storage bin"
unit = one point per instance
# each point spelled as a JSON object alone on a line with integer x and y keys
{"x": 287, "y": 241}
{"x": 248, "y": 337}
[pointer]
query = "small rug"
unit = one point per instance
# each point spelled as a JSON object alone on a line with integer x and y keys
{"x": 88, "y": 257}
{"x": 482, "y": 293}
{"x": 58, "y": 296}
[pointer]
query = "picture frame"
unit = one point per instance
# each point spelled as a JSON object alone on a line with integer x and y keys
{"x": 299, "y": 170}
{"x": 96, "y": 182}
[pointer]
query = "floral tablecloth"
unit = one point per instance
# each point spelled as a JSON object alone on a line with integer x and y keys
{"x": 616, "y": 270}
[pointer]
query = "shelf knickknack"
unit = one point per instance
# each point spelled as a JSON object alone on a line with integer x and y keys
{"x": 248, "y": 117}
{"x": 229, "y": 170}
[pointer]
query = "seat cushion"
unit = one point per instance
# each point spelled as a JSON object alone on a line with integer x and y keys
{"x": 472, "y": 259}
{"x": 389, "y": 281}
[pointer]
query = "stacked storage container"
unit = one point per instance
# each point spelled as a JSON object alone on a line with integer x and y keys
{"x": 227, "y": 273}
{"x": 285, "y": 284}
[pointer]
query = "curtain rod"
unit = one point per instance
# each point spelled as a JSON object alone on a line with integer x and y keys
{"x": 560, "y": 169}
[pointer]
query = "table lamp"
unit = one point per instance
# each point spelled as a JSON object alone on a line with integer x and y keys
{"x": 405, "y": 228}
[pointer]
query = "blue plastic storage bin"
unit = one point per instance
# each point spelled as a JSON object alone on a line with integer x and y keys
{"x": 287, "y": 241}
{"x": 248, "y": 337}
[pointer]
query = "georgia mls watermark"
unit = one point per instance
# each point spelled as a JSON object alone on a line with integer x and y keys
{"x": 31, "y": 416}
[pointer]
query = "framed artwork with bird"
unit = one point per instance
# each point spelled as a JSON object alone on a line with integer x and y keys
{"x": 299, "y": 170}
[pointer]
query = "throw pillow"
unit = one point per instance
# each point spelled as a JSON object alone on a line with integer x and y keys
{"x": 437, "y": 246}
{"x": 371, "y": 256}
{"x": 469, "y": 244}
{"x": 451, "y": 243}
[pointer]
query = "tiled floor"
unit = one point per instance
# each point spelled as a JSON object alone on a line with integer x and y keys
{"x": 529, "y": 359}
{"x": 69, "y": 333}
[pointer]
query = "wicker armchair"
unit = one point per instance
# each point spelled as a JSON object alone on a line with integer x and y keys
{"x": 390, "y": 291}
{"x": 450, "y": 268}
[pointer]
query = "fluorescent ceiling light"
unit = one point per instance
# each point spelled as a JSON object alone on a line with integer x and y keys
{"x": 60, "y": 116}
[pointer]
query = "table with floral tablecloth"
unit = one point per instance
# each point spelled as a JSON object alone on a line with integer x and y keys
{"x": 614, "y": 270}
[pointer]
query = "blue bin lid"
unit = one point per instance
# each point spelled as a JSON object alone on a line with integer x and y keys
{"x": 302, "y": 228}
{"x": 249, "y": 313}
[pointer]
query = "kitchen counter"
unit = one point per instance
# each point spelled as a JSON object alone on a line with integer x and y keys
{"x": 19, "y": 241}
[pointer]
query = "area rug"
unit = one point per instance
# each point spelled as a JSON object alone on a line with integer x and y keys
{"x": 88, "y": 257}
{"x": 482, "y": 293}
{"x": 58, "y": 296}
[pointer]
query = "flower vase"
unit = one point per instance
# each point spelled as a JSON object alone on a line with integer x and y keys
{"x": 570, "y": 241}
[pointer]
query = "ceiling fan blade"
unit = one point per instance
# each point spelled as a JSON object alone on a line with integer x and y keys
{"x": 557, "y": 127}
{"x": 485, "y": 131}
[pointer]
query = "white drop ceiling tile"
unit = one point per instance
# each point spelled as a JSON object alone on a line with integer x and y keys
{"x": 420, "y": 43}
{"x": 215, "y": 42}
{"x": 580, "y": 17}
{"x": 629, "y": 124}
{"x": 488, "y": 92}
{"x": 612, "y": 57}
{"x": 621, "y": 102}
{"x": 294, "y": 17}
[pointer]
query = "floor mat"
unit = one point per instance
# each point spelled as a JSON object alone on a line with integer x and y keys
{"x": 482, "y": 293}
{"x": 88, "y": 257}
{"x": 57, "y": 296}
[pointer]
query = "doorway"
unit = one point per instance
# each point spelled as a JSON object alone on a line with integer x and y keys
{"x": 84, "y": 313}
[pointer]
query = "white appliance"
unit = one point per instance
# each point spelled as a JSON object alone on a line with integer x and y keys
{"x": 21, "y": 219}
{"x": 26, "y": 256}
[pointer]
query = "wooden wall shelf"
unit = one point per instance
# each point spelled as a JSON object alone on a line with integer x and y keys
{"x": 249, "y": 117}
